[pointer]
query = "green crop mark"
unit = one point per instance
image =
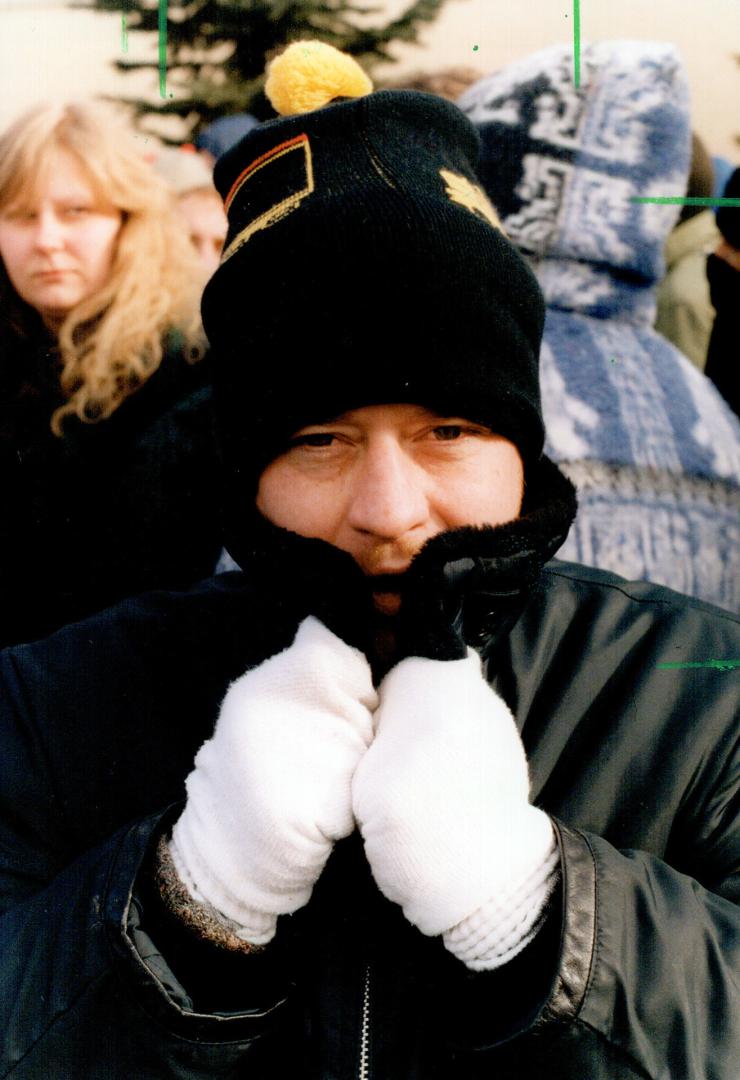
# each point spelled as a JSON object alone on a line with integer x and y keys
{"x": 718, "y": 665}
{"x": 162, "y": 31}
{"x": 671, "y": 201}
{"x": 577, "y": 43}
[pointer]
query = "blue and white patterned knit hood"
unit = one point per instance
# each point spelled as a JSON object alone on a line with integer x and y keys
{"x": 650, "y": 444}
{"x": 562, "y": 165}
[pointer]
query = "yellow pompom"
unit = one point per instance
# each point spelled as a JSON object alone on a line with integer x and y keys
{"x": 310, "y": 74}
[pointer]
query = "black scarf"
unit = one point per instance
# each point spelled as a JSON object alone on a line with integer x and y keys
{"x": 473, "y": 579}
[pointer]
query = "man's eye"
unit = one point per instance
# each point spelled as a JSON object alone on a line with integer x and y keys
{"x": 448, "y": 432}
{"x": 317, "y": 438}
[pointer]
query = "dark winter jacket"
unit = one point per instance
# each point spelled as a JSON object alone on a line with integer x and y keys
{"x": 625, "y": 695}
{"x": 109, "y": 509}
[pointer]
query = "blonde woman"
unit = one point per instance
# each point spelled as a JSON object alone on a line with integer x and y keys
{"x": 105, "y": 437}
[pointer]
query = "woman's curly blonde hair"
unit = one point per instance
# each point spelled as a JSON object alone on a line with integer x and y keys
{"x": 111, "y": 342}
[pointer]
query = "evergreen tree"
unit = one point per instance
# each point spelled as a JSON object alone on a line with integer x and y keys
{"x": 214, "y": 51}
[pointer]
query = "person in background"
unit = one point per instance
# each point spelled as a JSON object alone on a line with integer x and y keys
{"x": 191, "y": 179}
{"x": 218, "y": 137}
{"x": 651, "y": 446}
{"x": 685, "y": 314}
{"x": 723, "y": 170}
{"x": 723, "y": 271}
{"x": 446, "y": 815}
{"x": 105, "y": 421}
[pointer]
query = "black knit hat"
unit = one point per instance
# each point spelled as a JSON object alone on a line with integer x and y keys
{"x": 364, "y": 265}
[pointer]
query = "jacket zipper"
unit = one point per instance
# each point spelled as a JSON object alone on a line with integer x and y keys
{"x": 364, "y": 1069}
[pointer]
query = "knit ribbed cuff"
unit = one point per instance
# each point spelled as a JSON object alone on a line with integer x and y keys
{"x": 505, "y": 924}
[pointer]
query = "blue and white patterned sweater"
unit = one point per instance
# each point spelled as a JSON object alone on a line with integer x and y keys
{"x": 650, "y": 444}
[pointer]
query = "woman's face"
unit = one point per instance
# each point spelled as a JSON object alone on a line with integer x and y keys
{"x": 58, "y": 249}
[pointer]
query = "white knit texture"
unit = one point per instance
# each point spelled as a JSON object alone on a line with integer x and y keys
{"x": 271, "y": 790}
{"x": 442, "y": 800}
{"x": 505, "y": 924}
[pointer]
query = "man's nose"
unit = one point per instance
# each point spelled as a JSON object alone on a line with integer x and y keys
{"x": 389, "y": 496}
{"x": 49, "y": 233}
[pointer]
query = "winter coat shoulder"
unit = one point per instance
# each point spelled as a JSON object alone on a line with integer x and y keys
{"x": 685, "y": 314}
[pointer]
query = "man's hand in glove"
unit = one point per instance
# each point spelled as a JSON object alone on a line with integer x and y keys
{"x": 442, "y": 796}
{"x": 271, "y": 790}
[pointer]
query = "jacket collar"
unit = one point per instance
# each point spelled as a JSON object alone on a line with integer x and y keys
{"x": 494, "y": 569}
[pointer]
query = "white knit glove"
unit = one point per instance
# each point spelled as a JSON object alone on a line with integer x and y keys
{"x": 271, "y": 790}
{"x": 441, "y": 798}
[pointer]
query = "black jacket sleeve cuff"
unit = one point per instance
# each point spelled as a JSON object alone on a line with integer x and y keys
{"x": 196, "y": 990}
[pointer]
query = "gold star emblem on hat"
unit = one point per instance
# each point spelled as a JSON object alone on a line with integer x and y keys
{"x": 462, "y": 191}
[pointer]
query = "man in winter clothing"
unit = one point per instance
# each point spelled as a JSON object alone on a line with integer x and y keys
{"x": 456, "y": 815}
{"x": 651, "y": 446}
